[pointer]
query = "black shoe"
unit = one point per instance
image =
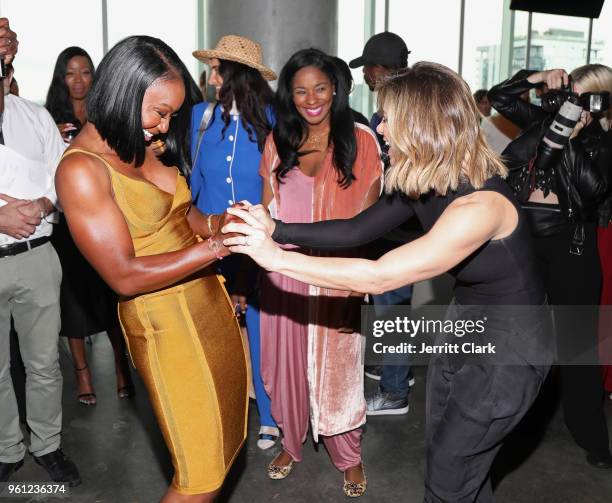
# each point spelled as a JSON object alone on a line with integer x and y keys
{"x": 60, "y": 467}
{"x": 603, "y": 462}
{"x": 7, "y": 469}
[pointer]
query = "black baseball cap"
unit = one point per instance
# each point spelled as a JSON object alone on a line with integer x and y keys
{"x": 386, "y": 49}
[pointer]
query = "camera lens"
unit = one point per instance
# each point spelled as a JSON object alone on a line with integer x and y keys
{"x": 550, "y": 102}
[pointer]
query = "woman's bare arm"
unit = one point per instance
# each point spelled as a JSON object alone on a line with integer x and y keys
{"x": 465, "y": 226}
{"x": 100, "y": 231}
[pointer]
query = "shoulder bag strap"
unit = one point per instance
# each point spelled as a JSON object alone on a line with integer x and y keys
{"x": 206, "y": 116}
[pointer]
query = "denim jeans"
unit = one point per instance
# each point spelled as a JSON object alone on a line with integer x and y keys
{"x": 394, "y": 378}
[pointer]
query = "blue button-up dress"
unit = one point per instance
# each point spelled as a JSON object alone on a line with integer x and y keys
{"x": 227, "y": 168}
{"x": 227, "y": 171}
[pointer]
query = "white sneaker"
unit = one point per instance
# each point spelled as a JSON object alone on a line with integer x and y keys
{"x": 268, "y": 435}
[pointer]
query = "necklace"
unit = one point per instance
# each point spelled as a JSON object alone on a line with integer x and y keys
{"x": 317, "y": 141}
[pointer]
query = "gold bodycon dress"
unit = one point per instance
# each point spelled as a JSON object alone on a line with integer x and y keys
{"x": 184, "y": 341}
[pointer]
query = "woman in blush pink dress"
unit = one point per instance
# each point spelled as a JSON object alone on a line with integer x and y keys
{"x": 317, "y": 165}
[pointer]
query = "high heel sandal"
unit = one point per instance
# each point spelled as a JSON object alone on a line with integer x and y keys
{"x": 276, "y": 472}
{"x": 355, "y": 489}
{"x": 126, "y": 391}
{"x": 85, "y": 398}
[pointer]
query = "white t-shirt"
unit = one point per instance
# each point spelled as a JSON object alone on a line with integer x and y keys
{"x": 29, "y": 157}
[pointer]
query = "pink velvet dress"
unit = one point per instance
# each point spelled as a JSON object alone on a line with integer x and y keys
{"x": 312, "y": 372}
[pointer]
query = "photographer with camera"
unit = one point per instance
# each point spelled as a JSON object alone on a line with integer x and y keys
{"x": 560, "y": 169}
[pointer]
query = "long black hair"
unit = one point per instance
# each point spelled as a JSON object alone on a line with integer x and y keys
{"x": 290, "y": 129}
{"x": 58, "y": 101}
{"x": 114, "y": 103}
{"x": 253, "y": 98}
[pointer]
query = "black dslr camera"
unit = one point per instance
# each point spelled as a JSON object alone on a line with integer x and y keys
{"x": 595, "y": 103}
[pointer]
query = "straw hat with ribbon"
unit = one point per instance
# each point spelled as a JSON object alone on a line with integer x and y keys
{"x": 238, "y": 49}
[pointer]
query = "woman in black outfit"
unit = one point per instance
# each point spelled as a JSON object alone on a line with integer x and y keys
{"x": 88, "y": 305}
{"x": 561, "y": 189}
{"x": 444, "y": 173}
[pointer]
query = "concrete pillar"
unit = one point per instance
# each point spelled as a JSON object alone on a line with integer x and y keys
{"x": 282, "y": 27}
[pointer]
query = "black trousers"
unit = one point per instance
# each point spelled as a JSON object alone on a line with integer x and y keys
{"x": 472, "y": 405}
{"x": 470, "y": 411}
{"x": 576, "y": 280}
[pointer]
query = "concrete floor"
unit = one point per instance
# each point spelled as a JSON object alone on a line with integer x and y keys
{"x": 122, "y": 457}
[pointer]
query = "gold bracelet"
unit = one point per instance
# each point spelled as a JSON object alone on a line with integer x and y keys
{"x": 209, "y": 220}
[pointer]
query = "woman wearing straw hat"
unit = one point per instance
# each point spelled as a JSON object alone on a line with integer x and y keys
{"x": 227, "y": 141}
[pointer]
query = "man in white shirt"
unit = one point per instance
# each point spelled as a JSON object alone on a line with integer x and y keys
{"x": 30, "y": 277}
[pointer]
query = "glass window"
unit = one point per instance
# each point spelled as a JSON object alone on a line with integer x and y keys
{"x": 601, "y": 46}
{"x": 482, "y": 43}
{"x": 379, "y": 15}
{"x": 40, "y": 42}
{"x": 351, "y": 39}
{"x": 519, "y": 48}
{"x": 177, "y": 26}
{"x": 558, "y": 42}
{"x": 430, "y": 29}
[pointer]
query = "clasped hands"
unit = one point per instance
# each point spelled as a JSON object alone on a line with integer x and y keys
{"x": 20, "y": 217}
{"x": 247, "y": 229}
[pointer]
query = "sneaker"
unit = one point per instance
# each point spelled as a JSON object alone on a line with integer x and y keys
{"x": 373, "y": 371}
{"x": 384, "y": 404}
{"x": 268, "y": 435}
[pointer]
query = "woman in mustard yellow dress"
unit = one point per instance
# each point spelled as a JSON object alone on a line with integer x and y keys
{"x": 129, "y": 212}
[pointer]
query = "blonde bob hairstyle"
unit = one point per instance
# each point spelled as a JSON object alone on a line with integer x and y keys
{"x": 433, "y": 128}
{"x": 595, "y": 78}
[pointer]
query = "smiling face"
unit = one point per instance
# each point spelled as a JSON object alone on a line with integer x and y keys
{"x": 162, "y": 99}
{"x": 313, "y": 95}
{"x": 78, "y": 77}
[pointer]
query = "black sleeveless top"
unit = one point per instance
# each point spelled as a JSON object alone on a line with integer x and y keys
{"x": 500, "y": 272}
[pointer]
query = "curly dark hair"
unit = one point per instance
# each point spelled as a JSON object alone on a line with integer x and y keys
{"x": 58, "y": 101}
{"x": 289, "y": 131}
{"x": 254, "y": 99}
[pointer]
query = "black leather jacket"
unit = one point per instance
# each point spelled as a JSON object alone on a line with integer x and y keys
{"x": 582, "y": 169}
